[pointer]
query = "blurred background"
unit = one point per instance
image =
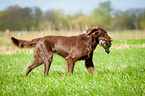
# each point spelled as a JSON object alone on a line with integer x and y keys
{"x": 71, "y": 15}
{"x": 64, "y": 15}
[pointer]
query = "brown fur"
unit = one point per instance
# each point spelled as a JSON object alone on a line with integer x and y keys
{"x": 71, "y": 48}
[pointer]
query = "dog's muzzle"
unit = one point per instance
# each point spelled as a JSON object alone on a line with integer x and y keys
{"x": 105, "y": 44}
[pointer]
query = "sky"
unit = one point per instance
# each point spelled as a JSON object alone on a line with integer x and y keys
{"x": 72, "y": 6}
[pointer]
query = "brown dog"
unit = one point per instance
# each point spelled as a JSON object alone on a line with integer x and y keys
{"x": 72, "y": 48}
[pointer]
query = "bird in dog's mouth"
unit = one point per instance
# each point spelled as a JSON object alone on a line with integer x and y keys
{"x": 105, "y": 44}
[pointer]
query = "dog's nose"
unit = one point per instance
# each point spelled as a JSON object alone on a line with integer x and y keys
{"x": 100, "y": 43}
{"x": 111, "y": 39}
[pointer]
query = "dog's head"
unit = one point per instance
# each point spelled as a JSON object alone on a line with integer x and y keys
{"x": 101, "y": 37}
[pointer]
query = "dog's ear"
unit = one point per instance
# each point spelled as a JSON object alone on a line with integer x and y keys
{"x": 88, "y": 30}
{"x": 91, "y": 30}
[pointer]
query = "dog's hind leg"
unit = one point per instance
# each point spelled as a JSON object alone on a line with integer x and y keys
{"x": 47, "y": 57}
{"x": 46, "y": 53}
{"x": 35, "y": 64}
{"x": 43, "y": 54}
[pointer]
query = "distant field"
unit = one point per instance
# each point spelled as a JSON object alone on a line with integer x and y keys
{"x": 117, "y": 35}
{"x": 121, "y": 73}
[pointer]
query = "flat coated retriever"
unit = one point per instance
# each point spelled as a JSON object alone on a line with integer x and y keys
{"x": 71, "y": 48}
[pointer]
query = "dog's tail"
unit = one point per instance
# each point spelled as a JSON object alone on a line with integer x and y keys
{"x": 24, "y": 43}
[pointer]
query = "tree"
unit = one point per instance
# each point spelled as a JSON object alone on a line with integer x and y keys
{"x": 57, "y": 19}
{"x": 129, "y": 19}
{"x": 2, "y": 22}
{"x": 102, "y": 15}
{"x": 37, "y": 18}
{"x": 17, "y": 18}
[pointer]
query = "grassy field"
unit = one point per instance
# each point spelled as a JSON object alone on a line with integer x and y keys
{"x": 121, "y": 73}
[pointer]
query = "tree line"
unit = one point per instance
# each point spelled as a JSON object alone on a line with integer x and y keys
{"x": 16, "y": 18}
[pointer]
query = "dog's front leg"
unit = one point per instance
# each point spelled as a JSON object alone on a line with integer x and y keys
{"x": 70, "y": 65}
{"x": 89, "y": 64}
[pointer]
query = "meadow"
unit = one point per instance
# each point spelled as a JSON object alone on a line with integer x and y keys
{"x": 121, "y": 73}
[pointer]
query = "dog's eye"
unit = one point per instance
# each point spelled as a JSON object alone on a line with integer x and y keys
{"x": 106, "y": 33}
{"x": 96, "y": 33}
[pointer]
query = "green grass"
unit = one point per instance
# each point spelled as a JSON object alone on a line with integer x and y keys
{"x": 121, "y": 73}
